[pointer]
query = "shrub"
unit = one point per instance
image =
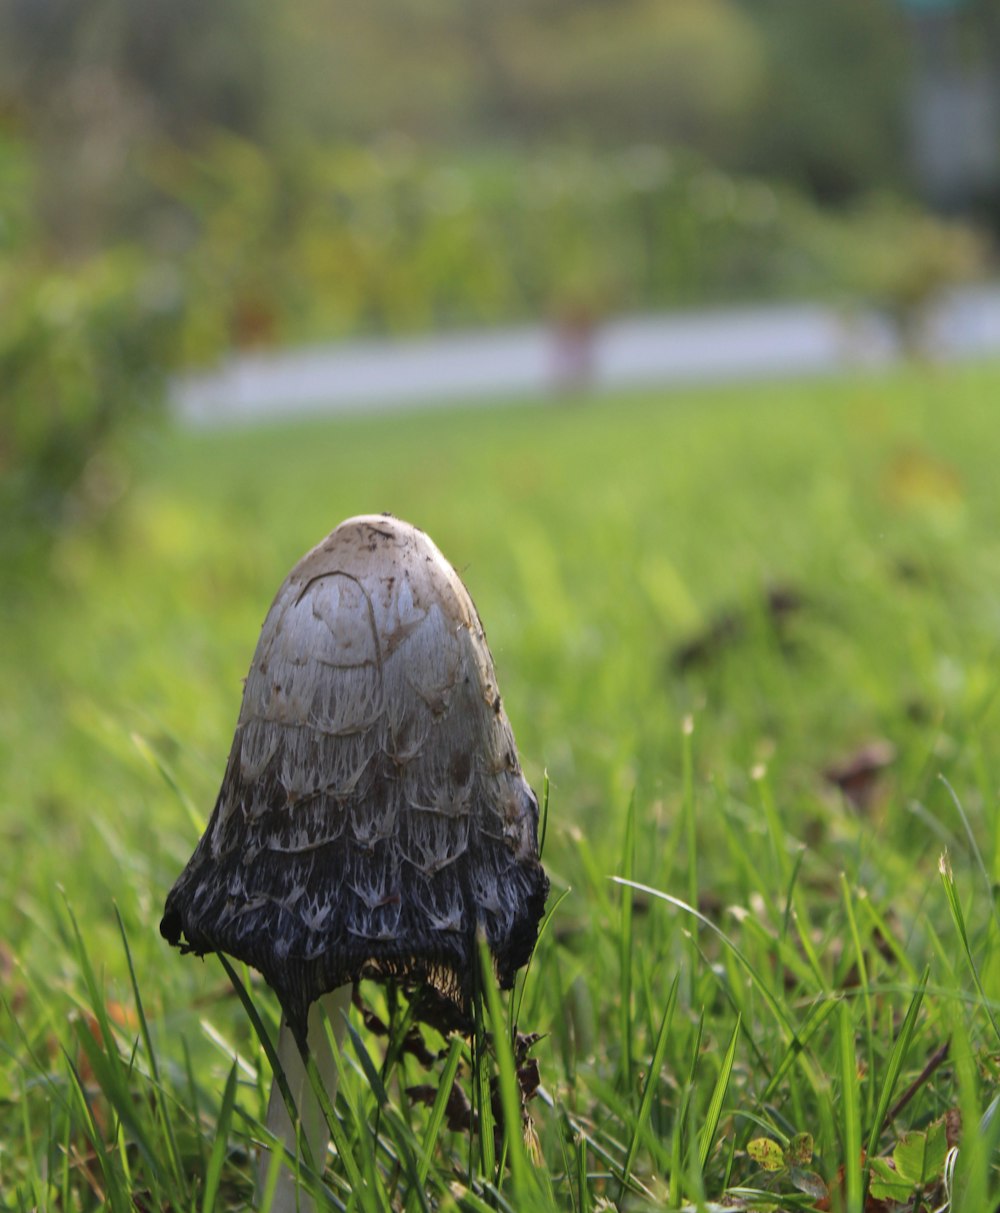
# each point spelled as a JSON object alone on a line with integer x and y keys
{"x": 325, "y": 242}
{"x": 83, "y": 348}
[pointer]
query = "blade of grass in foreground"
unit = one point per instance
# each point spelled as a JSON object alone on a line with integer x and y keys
{"x": 116, "y": 1197}
{"x": 850, "y": 1108}
{"x": 582, "y": 1179}
{"x": 159, "y": 1102}
{"x": 865, "y": 989}
{"x": 158, "y": 765}
{"x": 678, "y": 1154}
{"x": 895, "y": 1066}
{"x": 974, "y": 849}
{"x": 652, "y": 1078}
{"x": 336, "y": 1129}
{"x": 810, "y": 1027}
{"x": 482, "y": 1103}
{"x": 370, "y": 1193}
{"x": 193, "y": 1105}
{"x": 948, "y": 879}
{"x": 398, "y": 1131}
{"x": 214, "y": 1173}
{"x": 522, "y": 1175}
{"x": 772, "y": 1003}
{"x": 543, "y": 826}
{"x": 970, "y": 1181}
{"x": 112, "y": 1073}
{"x": 33, "y": 1179}
{"x": 436, "y": 1119}
{"x": 689, "y": 813}
{"x": 714, "y": 1113}
{"x": 625, "y": 1027}
{"x": 373, "y": 1195}
{"x": 522, "y": 980}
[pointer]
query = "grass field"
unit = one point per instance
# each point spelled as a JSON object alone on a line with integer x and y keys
{"x": 700, "y": 604}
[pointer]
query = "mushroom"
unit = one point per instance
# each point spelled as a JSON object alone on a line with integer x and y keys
{"x": 373, "y": 816}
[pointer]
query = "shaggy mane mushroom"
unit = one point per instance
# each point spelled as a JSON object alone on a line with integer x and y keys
{"x": 373, "y": 816}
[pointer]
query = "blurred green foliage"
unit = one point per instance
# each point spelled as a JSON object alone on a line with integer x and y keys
{"x": 178, "y": 179}
{"x": 814, "y": 94}
{"x": 83, "y": 347}
{"x": 831, "y": 112}
{"x": 320, "y": 242}
{"x": 333, "y": 241}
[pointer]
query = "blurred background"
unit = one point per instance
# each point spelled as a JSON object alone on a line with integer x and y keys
{"x": 179, "y": 181}
{"x": 232, "y": 195}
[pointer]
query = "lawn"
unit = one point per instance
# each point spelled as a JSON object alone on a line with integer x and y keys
{"x": 749, "y": 635}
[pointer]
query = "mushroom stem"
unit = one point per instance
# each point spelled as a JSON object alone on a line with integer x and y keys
{"x": 314, "y": 1127}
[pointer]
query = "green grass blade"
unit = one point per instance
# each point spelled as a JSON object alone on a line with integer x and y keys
{"x": 308, "y": 1165}
{"x": 510, "y": 1095}
{"x": 162, "y": 1112}
{"x": 690, "y": 819}
{"x": 974, "y": 849}
{"x": 650, "y": 1085}
{"x": 796, "y": 915}
{"x": 436, "y": 1119}
{"x": 714, "y": 1112}
{"x": 112, "y": 1074}
{"x": 971, "y": 1180}
{"x": 116, "y": 1197}
{"x": 679, "y": 1146}
{"x": 866, "y": 996}
{"x": 220, "y": 1147}
{"x": 368, "y": 1187}
{"x": 625, "y": 942}
{"x": 582, "y": 1179}
{"x": 878, "y": 923}
{"x": 850, "y": 1108}
{"x": 522, "y": 980}
{"x": 370, "y": 1195}
{"x": 482, "y": 1101}
{"x": 958, "y": 918}
{"x": 543, "y": 825}
{"x": 895, "y": 1064}
{"x": 472, "y": 1201}
{"x": 773, "y": 1005}
{"x": 193, "y": 1106}
{"x": 817, "y": 1016}
{"x": 775, "y": 829}
{"x": 170, "y": 779}
{"x": 109, "y": 1072}
{"x": 401, "y": 1134}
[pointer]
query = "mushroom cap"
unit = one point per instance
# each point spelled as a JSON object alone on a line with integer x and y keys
{"x": 373, "y": 814}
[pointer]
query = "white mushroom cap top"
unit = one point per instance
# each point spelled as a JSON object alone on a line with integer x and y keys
{"x": 373, "y": 813}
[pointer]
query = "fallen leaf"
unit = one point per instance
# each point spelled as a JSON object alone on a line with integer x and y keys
{"x": 767, "y": 1154}
{"x": 459, "y": 1115}
{"x": 800, "y": 1149}
{"x": 729, "y": 626}
{"x": 858, "y": 775}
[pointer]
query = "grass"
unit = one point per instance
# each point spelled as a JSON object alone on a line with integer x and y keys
{"x": 699, "y": 603}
